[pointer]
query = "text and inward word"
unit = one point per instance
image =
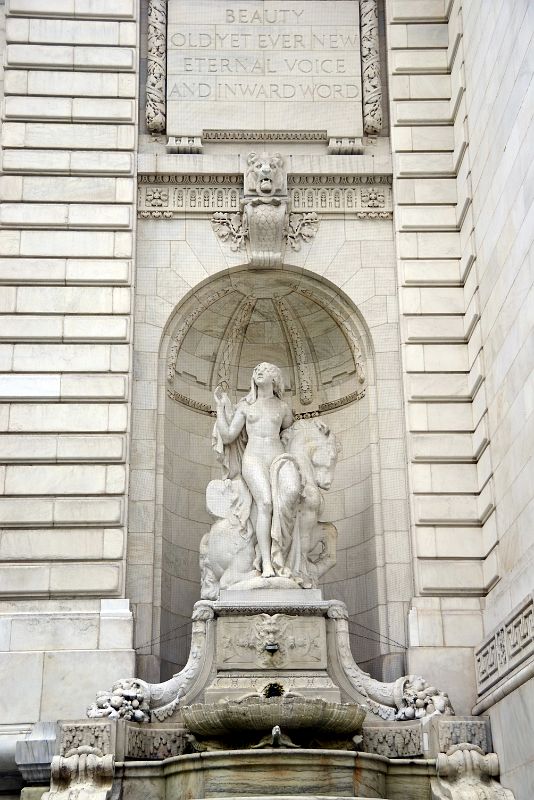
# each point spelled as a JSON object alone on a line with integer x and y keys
{"x": 302, "y": 63}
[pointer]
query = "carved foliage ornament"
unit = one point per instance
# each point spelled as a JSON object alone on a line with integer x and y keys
{"x": 371, "y": 84}
{"x": 156, "y": 66}
{"x": 300, "y": 355}
{"x": 349, "y": 332}
{"x": 298, "y": 228}
{"x": 145, "y": 744}
{"x": 135, "y": 700}
{"x": 395, "y": 742}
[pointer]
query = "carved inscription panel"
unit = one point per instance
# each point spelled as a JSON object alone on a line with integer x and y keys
{"x": 264, "y": 65}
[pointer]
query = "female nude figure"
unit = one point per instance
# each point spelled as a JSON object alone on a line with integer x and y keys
{"x": 263, "y": 414}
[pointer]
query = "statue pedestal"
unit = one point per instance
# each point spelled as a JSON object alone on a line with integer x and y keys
{"x": 271, "y": 642}
{"x": 267, "y": 598}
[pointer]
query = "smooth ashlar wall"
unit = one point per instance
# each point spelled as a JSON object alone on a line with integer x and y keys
{"x": 66, "y": 264}
{"x": 462, "y": 106}
{"x": 499, "y": 69}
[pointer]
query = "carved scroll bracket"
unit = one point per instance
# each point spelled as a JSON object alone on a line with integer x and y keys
{"x": 465, "y": 772}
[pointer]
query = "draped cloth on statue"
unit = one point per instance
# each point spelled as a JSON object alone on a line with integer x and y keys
{"x": 285, "y": 533}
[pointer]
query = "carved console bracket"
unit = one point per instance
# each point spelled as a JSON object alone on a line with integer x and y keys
{"x": 465, "y": 772}
{"x": 234, "y": 228}
{"x": 82, "y": 772}
{"x": 408, "y": 698}
{"x": 345, "y": 147}
{"x": 184, "y": 144}
{"x": 266, "y": 222}
{"x": 138, "y": 701}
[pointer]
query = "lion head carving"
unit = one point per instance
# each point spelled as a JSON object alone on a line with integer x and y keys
{"x": 265, "y": 175}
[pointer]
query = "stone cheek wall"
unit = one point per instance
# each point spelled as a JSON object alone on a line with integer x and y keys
{"x": 462, "y": 138}
{"x": 500, "y": 106}
{"x": 450, "y": 470}
{"x": 66, "y": 244}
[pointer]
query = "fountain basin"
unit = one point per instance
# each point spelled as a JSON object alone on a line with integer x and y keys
{"x": 290, "y": 712}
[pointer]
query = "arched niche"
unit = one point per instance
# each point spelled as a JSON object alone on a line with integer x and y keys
{"x": 317, "y": 336}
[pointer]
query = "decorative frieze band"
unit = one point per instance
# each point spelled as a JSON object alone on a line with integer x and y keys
{"x": 170, "y": 196}
{"x": 507, "y": 647}
{"x": 265, "y": 136}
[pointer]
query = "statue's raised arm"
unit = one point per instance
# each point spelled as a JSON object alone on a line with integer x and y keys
{"x": 230, "y": 421}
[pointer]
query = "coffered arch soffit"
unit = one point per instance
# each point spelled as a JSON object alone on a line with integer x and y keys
{"x": 303, "y": 324}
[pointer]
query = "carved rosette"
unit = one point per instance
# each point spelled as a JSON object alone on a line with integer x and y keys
{"x": 372, "y": 87}
{"x": 156, "y": 66}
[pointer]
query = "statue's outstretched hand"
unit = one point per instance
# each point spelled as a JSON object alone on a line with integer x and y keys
{"x": 220, "y": 395}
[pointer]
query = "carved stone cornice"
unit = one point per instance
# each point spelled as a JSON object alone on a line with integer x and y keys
{"x": 172, "y": 196}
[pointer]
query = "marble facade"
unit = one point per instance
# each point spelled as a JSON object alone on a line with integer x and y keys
{"x": 409, "y": 177}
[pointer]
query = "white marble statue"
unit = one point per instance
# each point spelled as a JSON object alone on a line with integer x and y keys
{"x": 268, "y": 503}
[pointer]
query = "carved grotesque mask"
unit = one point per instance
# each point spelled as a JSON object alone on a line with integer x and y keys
{"x": 265, "y": 174}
